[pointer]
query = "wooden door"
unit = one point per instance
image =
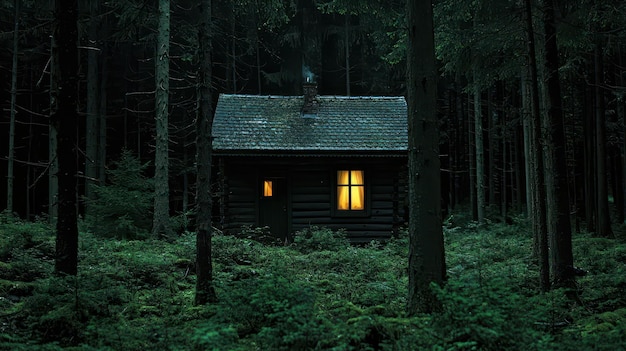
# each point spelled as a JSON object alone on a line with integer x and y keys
{"x": 273, "y": 205}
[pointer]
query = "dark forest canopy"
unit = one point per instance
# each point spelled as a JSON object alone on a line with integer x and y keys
{"x": 355, "y": 47}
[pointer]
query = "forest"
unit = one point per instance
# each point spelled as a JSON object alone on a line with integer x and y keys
{"x": 516, "y": 168}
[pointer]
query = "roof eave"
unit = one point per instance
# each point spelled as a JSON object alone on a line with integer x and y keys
{"x": 311, "y": 153}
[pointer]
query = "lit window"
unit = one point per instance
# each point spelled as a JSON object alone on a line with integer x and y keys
{"x": 350, "y": 190}
{"x": 267, "y": 188}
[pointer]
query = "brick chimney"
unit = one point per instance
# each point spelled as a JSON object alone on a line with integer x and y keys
{"x": 311, "y": 104}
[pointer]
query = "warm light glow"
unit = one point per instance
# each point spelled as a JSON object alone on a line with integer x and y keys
{"x": 358, "y": 198}
{"x": 350, "y": 190}
{"x": 267, "y": 188}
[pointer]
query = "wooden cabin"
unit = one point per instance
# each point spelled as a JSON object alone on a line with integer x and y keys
{"x": 291, "y": 162}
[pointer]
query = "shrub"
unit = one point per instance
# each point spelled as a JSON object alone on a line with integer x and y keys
{"x": 277, "y": 313}
{"x": 317, "y": 239}
{"x": 122, "y": 209}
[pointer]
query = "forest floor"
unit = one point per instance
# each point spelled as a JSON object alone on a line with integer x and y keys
{"x": 319, "y": 293}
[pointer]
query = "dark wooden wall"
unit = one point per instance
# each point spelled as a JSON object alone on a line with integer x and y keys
{"x": 310, "y": 183}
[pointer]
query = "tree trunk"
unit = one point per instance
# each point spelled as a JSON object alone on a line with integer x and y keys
{"x": 480, "y": 160}
{"x": 589, "y": 160}
{"x": 526, "y": 130}
{"x": 160, "y": 224}
{"x": 11, "y": 157}
{"x": 347, "y": 49}
{"x": 505, "y": 168}
{"x": 65, "y": 119}
{"x": 205, "y": 291}
{"x": 102, "y": 122}
{"x": 621, "y": 116}
{"x": 426, "y": 250}
{"x": 603, "y": 224}
{"x": 561, "y": 229}
{"x": 539, "y": 196}
{"x": 460, "y": 154}
{"x": 53, "y": 163}
{"x": 491, "y": 174}
{"x": 472, "y": 160}
{"x": 92, "y": 117}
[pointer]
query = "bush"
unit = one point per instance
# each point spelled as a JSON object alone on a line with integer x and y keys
{"x": 26, "y": 249}
{"x": 275, "y": 312}
{"x": 122, "y": 209}
{"x": 316, "y": 239}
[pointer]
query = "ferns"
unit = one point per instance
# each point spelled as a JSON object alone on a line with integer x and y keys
{"x": 317, "y": 294}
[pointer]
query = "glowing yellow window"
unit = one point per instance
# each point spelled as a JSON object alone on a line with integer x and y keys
{"x": 267, "y": 188}
{"x": 350, "y": 190}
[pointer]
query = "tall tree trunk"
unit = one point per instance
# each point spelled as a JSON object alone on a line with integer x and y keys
{"x": 589, "y": 160}
{"x": 233, "y": 46}
{"x": 160, "y": 224}
{"x": 460, "y": 154}
{"x": 492, "y": 175}
{"x": 53, "y": 162}
{"x": 11, "y": 157}
{"x": 561, "y": 228}
{"x": 92, "y": 118}
{"x": 505, "y": 154}
{"x": 65, "y": 119}
{"x": 621, "y": 116}
{"x": 603, "y": 227}
{"x": 472, "y": 160}
{"x": 539, "y": 196}
{"x": 527, "y": 131}
{"x": 102, "y": 122}
{"x": 257, "y": 44}
{"x": 480, "y": 159}
{"x": 426, "y": 250}
{"x": 347, "y": 49}
{"x": 205, "y": 291}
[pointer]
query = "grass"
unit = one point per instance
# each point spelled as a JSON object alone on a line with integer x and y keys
{"x": 318, "y": 294}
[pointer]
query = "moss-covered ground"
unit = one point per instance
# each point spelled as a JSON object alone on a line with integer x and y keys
{"x": 319, "y": 293}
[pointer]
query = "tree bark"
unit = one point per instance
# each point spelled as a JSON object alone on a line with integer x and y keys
{"x": 347, "y": 50}
{"x": 603, "y": 224}
{"x": 160, "y": 224}
{"x": 205, "y": 291}
{"x": 11, "y": 155}
{"x": 526, "y": 129}
{"x": 472, "y": 160}
{"x": 561, "y": 228}
{"x": 480, "y": 159}
{"x": 426, "y": 250}
{"x": 92, "y": 117}
{"x": 53, "y": 165}
{"x": 539, "y": 196}
{"x": 65, "y": 119}
{"x": 102, "y": 122}
{"x": 589, "y": 160}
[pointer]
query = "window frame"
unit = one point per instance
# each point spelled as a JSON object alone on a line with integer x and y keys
{"x": 335, "y": 211}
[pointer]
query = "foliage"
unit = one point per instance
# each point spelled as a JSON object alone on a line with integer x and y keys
{"x": 315, "y": 239}
{"x": 122, "y": 208}
{"x": 317, "y": 294}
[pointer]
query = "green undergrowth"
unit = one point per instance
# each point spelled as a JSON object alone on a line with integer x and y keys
{"x": 318, "y": 293}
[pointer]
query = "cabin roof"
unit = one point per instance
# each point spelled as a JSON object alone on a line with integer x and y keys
{"x": 256, "y": 123}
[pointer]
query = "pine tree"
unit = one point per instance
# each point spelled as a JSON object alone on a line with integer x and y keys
{"x": 426, "y": 250}
{"x": 65, "y": 120}
{"x": 160, "y": 223}
{"x": 205, "y": 291}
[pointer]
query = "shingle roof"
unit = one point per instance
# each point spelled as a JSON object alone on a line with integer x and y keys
{"x": 276, "y": 123}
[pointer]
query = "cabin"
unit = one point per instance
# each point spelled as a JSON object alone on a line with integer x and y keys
{"x": 291, "y": 162}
